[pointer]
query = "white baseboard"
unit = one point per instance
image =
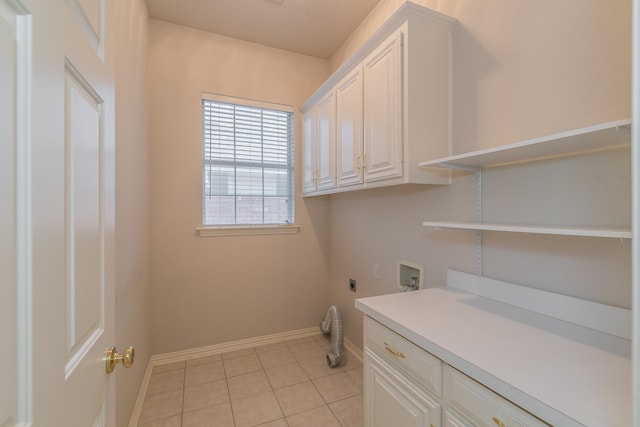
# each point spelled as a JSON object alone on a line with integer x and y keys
{"x": 195, "y": 353}
{"x": 179, "y": 356}
{"x": 142, "y": 392}
{"x": 349, "y": 346}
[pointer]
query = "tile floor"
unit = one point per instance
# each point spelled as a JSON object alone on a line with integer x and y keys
{"x": 278, "y": 385}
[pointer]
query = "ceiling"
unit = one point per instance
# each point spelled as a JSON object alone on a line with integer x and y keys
{"x": 311, "y": 27}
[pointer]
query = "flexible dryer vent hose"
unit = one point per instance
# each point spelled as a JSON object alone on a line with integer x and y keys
{"x": 332, "y": 325}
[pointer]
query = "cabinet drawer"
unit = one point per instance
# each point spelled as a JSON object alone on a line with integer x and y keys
{"x": 423, "y": 367}
{"x": 482, "y": 405}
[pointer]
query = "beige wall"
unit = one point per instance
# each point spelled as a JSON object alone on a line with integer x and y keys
{"x": 132, "y": 206}
{"x": 521, "y": 70}
{"x": 217, "y": 289}
{"x": 525, "y": 69}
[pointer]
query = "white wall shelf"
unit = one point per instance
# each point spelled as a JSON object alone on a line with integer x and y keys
{"x": 617, "y": 233}
{"x": 590, "y": 139}
{"x": 593, "y": 138}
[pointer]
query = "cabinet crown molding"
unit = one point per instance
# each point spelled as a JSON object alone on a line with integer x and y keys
{"x": 407, "y": 12}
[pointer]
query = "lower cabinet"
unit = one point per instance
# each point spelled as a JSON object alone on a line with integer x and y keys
{"x": 392, "y": 399}
{"x": 406, "y": 386}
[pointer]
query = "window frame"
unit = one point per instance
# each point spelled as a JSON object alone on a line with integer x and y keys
{"x": 213, "y": 230}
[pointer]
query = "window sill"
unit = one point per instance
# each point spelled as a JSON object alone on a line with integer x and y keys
{"x": 246, "y": 230}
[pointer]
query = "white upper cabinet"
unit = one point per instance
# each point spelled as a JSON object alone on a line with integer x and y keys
{"x": 349, "y": 129}
{"x": 319, "y": 150}
{"x": 383, "y": 110}
{"x": 392, "y": 108}
{"x": 309, "y": 152}
{"x": 326, "y": 142}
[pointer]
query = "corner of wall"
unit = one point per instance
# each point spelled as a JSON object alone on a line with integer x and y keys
{"x": 132, "y": 206}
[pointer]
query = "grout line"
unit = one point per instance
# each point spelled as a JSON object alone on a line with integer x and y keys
{"x": 184, "y": 392}
{"x": 349, "y": 348}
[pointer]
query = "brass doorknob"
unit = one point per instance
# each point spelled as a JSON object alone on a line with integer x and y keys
{"x": 112, "y": 358}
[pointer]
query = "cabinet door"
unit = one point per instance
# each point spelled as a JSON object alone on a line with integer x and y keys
{"x": 349, "y": 129}
{"x": 391, "y": 399}
{"x": 383, "y": 110}
{"x": 454, "y": 420}
{"x": 309, "y": 152}
{"x": 482, "y": 405}
{"x": 326, "y": 142}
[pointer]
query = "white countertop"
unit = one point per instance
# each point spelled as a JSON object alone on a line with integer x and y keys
{"x": 567, "y": 375}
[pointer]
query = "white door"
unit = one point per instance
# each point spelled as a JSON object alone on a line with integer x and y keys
{"x": 383, "y": 110}
{"x": 57, "y": 223}
{"x": 349, "y": 129}
{"x": 326, "y": 142}
{"x": 309, "y": 154}
{"x": 391, "y": 399}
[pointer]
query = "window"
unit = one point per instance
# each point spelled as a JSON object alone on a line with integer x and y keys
{"x": 247, "y": 156}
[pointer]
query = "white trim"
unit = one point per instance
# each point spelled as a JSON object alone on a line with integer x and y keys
{"x": 355, "y": 351}
{"x": 194, "y": 353}
{"x": 24, "y": 250}
{"x": 246, "y": 230}
{"x": 248, "y": 101}
{"x": 635, "y": 200}
{"x": 142, "y": 392}
{"x": 407, "y": 11}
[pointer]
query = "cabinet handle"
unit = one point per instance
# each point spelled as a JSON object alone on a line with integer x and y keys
{"x": 395, "y": 352}
{"x": 498, "y": 422}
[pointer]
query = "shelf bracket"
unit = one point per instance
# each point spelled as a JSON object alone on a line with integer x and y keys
{"x": 626, "y": 129}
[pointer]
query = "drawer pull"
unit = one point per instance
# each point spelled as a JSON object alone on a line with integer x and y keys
{"x": 498, "y": 422}
{"x": 392, "y": 351}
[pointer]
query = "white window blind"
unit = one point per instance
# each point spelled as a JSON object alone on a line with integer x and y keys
{"x": 247, "y": 164}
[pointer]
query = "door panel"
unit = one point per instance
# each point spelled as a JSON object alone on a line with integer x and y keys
{"x": 326, "y": 154}
{"x": 383, "y": 110}
{"x": 309, "y": 152}
{"x": 349, "y": 129}
{"x": 91, "y": 12}
{"x": 84, "y": 186}
{"x": 89, "y": 17}
{"x": 391, "y": 399}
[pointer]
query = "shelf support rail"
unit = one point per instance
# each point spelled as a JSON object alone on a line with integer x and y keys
{"x": 478, "y": 171}
{"x": 479, "y": 218}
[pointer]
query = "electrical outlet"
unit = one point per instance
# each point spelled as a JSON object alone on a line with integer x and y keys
{"x": 376, "y": 271}
{"x": 352, "y": 285}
